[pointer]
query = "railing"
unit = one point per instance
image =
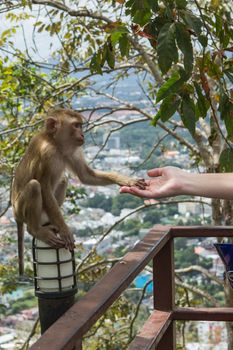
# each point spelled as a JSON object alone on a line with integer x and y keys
{"x": 159, "y": 330}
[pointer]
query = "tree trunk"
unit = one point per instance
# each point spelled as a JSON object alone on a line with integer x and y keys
{"x": 217, "y": 212}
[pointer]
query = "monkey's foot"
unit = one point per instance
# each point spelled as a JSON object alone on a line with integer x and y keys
{"x": 68, "y": 238}
{"x": 49, "y": 234}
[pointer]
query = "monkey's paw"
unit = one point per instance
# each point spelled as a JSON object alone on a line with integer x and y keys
{"x": 140, "y": 183}
{"x": 48, "y": 234}
{"x": 68, "y": 238}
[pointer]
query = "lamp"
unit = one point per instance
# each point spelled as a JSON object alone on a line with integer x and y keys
{"x": 55, "y": 281}
{"x": 225, "y": 251}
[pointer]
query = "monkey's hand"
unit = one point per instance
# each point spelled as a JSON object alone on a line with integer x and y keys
{"x": 134, "y": 182}
{"x": 67, "y": 237}
{"x": 48, "y": 234}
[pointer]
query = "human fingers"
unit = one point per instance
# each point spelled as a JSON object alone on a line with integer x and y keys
{"x": 136, "y": 192}
{"x": 155, "y": 172}
{"x": 125, "y": 189}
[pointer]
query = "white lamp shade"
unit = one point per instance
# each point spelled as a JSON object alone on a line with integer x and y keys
{"x": 54, "y": 268}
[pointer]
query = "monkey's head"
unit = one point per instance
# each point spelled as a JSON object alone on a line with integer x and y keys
{"x": 65, "y": 126}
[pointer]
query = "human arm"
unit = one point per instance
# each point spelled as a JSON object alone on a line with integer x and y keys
{"x": 172, "y": 181}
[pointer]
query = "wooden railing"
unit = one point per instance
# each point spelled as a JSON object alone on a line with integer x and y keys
{"x": 159, "y": 330}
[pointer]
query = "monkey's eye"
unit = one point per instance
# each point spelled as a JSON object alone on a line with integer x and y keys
{"x": 78, "y": 125}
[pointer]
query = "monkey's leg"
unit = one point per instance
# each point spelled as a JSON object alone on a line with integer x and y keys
{"x": 60, "y": 193}
{"x": 26, "y": 211}
{"x": 29, "y": 205}
{"x": 30, "y": 208}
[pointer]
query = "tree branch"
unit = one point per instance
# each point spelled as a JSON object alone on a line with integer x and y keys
{"x": 131, "y": 335}
{"x": 117, "y": 222}
{"x": 70, "y": 11}
{"x": 32, "y": 333}
{"x": 198, "y": 291}
{"x": 201, "y": 270}
{"x": 99, "y": 263}
{"x": 153, "y": 68}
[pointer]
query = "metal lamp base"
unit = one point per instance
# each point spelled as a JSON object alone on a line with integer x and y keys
{"x": 50, "y": 310}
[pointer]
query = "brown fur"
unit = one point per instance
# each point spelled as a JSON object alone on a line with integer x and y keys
{"x": 39, "y": 186}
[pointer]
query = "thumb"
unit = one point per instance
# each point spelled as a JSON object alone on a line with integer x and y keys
{"x": 125, "y": 189}
{"x": 155, "y": 172}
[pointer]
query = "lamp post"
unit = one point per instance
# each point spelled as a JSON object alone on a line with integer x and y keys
{"x": 55, "y": 281}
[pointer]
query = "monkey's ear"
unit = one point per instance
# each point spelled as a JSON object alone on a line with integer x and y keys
{"x": 51, "y": 125}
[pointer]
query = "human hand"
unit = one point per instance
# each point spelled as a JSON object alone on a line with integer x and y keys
{"x": 164, "y": 182}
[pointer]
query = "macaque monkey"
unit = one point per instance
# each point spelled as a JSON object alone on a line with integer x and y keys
{"x": 39, "y": 185}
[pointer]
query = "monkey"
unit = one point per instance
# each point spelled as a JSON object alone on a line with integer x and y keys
{"x": 39, "y": 183}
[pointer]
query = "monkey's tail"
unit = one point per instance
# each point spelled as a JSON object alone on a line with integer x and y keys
{"x": 20, "y": 232}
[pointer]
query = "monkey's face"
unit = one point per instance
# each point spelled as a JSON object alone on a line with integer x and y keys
{"x": 66, "y": 130}
{"x": 70, "y": 133}
{"x": 76, "y": 132}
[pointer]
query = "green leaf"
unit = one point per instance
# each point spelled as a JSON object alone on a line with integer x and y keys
{"x": 226, "y": 113}
{"x": 226, "y": 160}
{"x": 229, "y": 125}
{"x": 229, "y": 76}
{"x": 139, "y": 10}
{"x": 167, "y": 50}
{"x": 202, "y": 103}
{"x": 194, "y": 22}
{"x": 169, "y": 106}
{"x": 129, "y": 3}
{"x": 181, "y": 4}
{"x": 117, "y": 33}
{"x": 156, "y": 118}
{"x": 142, "y": 17}
{"x": 104, "y": 54}
{"x": 41, "y": 28}
{"x": 218, "y": 23}
{"x": 203, "y": 40}
{"x": 124, "y": 45}
{"x": 95, "y": 64}
{"x": 153, "y": 5}
{"x": 184, "y": 43}
{"x": 171, "y": 85}
{"x": 225, "y": 36}
{"x": 110, "y": 56}
{"x": 188, "y": 116}
{"x": 223, "y": 105}
{"x": 115, "y": 36}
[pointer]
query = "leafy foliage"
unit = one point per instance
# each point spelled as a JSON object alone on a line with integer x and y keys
{"x": 192, "y": 46}
{"x": 181, "y": 53}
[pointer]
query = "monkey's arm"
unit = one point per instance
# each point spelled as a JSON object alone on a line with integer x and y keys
{"x": 90, "y": 176}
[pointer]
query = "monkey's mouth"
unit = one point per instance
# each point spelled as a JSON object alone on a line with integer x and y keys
{"x": 81, "y": 141}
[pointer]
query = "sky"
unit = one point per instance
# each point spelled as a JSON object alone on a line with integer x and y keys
{"x": 43, "y": 40}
